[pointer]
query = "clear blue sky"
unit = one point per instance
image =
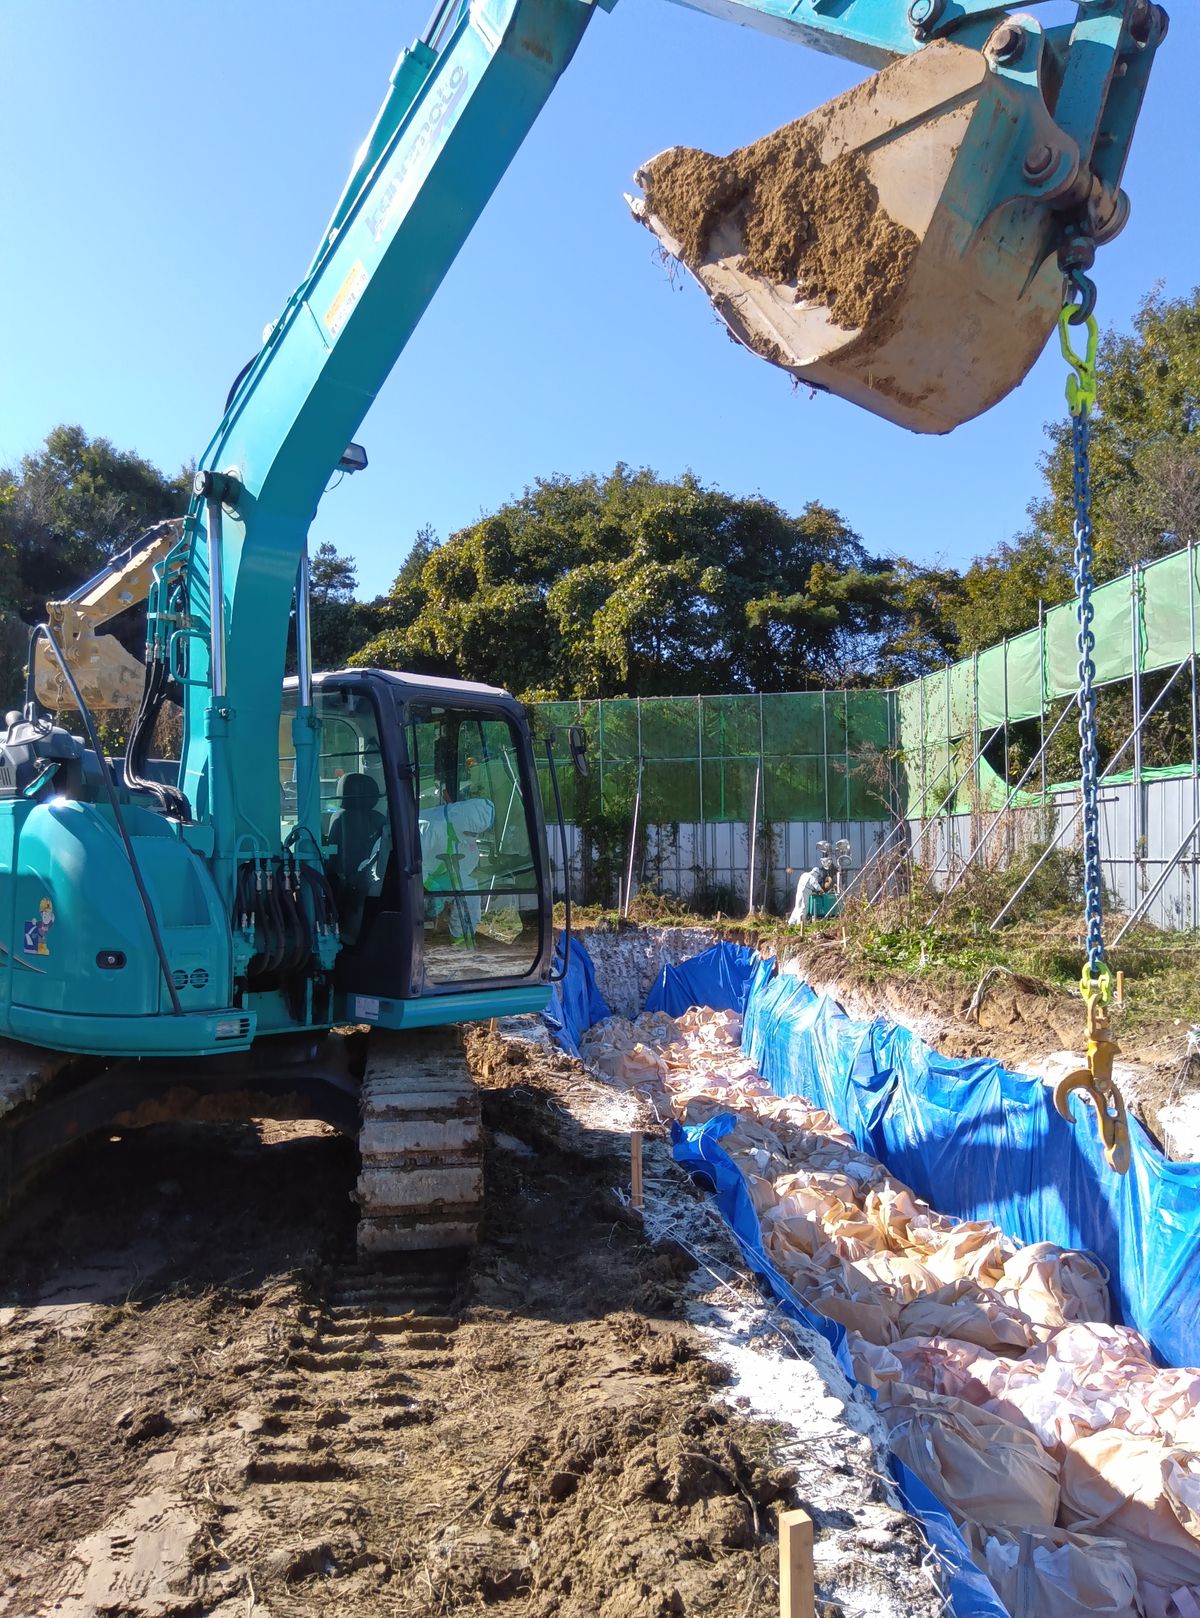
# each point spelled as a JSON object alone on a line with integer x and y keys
{"x": 168, "y": 168}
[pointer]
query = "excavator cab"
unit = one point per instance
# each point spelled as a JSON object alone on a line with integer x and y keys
{"x": 434, "y": 846}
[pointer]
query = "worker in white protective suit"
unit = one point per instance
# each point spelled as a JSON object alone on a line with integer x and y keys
{"x": 450, "y": 858}
{"x": 811, "y": 884}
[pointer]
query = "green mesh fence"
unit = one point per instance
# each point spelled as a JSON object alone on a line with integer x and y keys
{"x": 811, "y": 756}
{"x": 1145, "y": 621}
{"x": 856, "y": 755}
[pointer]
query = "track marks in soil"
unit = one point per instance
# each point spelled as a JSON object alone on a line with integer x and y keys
{"x": 280, "y": 1432}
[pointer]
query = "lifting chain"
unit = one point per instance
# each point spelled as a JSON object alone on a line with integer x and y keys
{"x": 1095, "y": 1082}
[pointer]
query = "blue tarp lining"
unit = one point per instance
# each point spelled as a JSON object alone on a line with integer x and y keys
{"x": 575, "y": 1003}
{"x": 979, "y": 1142}
{"x": 721, "y": 979}
{"x": 699, "y": 1150}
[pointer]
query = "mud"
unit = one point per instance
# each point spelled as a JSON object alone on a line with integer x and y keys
{"x": 206, "y": 1407}
{"x": 819, "y": 226}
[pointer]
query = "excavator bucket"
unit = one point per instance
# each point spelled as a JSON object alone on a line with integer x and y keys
{"x": 895, "y": 247}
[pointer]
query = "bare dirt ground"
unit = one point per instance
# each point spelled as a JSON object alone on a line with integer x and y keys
{"x": 206, "y": 1407}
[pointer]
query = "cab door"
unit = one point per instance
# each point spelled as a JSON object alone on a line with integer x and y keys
{"x": 358, "y": 757}
{"x": 480, "y": 854}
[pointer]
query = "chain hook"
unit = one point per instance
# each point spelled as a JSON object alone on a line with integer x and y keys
{"x": 1095, "y": 1081}
{"x": 1079, "y": 295}
{"x": 1081, "y": 384}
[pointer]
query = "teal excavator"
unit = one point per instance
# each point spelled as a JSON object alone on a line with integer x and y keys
{"x": 366, "y": 848}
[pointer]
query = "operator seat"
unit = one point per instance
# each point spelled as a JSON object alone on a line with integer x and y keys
{"x": 357, "y": 832}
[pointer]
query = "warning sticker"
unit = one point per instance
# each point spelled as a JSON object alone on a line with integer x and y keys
{"x": 348, "y": 294}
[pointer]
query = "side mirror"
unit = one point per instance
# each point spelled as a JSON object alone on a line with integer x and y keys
{"x": 577, "y": 740}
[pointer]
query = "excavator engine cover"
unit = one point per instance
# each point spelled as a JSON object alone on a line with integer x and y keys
{"x": 895, "y": 247}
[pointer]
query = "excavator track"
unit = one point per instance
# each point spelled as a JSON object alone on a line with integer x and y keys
{"x": 420, "y": 1184}
{"x": 420, "y": 1187}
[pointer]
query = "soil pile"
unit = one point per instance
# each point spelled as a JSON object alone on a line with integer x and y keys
{"x": 803, "y": 222}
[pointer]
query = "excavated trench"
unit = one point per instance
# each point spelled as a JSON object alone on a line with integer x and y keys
{"x": 1069, "y": 1454}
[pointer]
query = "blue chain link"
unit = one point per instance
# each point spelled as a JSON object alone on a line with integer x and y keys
{"x": 1093, "y": 882}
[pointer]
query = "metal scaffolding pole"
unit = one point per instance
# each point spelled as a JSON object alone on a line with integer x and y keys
{"x": 754, "y": 837}
{"x": 1105, "y": 773}
{"x": 1191, "y": 569}
{"x": 978, "y": 849}
{"x": 701, "y": 829}
{"x": 924, "y": 749}
{"x": 970, "y": 770}
{"x": 977, "y": 783}
{"x": 633, "y": 832}
{"x": 760, "y": 794}
{"x": 1042, "y": 689}
{"x": 1004, "y": 655}
{"x": 1137, "y": 818}
{"x": 825, "y": 760}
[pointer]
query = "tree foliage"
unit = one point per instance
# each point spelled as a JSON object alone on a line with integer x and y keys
{"x": 70, "y": 506}
{"x": 64, "y": 510}
{"x": 632, "y": 583}
{"x": 340, "y": 622}
{"x": 635, "y": 584}
{"x": 1145, "y": 477}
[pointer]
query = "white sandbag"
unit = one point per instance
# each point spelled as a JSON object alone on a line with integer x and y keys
{"x": 1140, "y": 1490}
{"x": 1057, "y": 1574}
{"x": 982, "y": 1467}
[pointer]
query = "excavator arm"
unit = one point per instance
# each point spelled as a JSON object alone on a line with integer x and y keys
{"x": 108, "y": 676}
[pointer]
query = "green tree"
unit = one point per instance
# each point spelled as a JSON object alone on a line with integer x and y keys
{"x": 70, "y": 506}
{"x": 594, "y": 586}
{"x": 340, "y": 623}
{"x": 1145, "y": 476}
{"x": 64, "y": 510}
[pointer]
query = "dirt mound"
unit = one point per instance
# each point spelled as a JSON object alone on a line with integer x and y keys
{"x": 819, "y": 226}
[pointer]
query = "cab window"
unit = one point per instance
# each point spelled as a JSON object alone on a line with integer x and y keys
{"x": 482, "y": 916}
{"x": 356, "y": 830}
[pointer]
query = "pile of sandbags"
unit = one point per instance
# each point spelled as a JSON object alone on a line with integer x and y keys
{"x": 1070, "y": 1458}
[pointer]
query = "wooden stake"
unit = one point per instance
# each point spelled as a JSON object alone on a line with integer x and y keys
{"x": 635, "y": 1168}
{"x": 795, "y": 1565}
{"x": 1120, "y": 988}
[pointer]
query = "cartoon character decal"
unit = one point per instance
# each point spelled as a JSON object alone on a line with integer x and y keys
{"x": 37, "y": 929}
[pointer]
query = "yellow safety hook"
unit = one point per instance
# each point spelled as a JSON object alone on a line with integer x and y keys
{"x": 1096, "y": 1081}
